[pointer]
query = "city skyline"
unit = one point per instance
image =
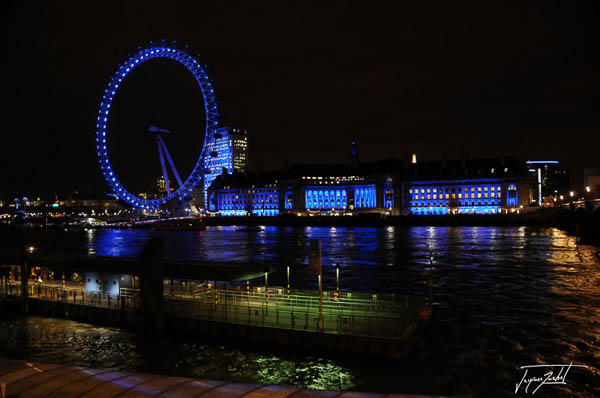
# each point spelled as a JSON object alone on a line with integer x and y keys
{"x": 438, "y": 81}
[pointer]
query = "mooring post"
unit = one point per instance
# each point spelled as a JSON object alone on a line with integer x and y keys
{"x": 152, "y": 287}
{"x": 25, "y": 271}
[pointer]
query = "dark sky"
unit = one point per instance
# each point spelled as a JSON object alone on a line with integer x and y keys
{"x": 492, "y": 79}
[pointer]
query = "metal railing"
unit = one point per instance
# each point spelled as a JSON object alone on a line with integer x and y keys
{"x": 347, "y": 313}
{"x": 344, "y": 313}
{"x": 128, "y": 299}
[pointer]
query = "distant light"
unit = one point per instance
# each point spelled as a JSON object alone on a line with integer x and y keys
{"x": 414, "y": 158}
{"x": 31, "y": 249}
{"x": 571, "y": 193}
{"x": 587, "y": 189}
{"x": 542, "y": 161}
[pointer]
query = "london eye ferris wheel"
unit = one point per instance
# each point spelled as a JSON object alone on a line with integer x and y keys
{"x": 186, "y": 186}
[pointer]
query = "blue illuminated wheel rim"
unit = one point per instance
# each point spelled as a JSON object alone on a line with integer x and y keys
{"x": 212, "y": 118}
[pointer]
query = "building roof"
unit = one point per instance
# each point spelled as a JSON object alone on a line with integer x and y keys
{"x": 245, "y": 180}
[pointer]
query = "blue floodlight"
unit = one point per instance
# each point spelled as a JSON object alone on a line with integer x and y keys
{"x": 210, "y": 106}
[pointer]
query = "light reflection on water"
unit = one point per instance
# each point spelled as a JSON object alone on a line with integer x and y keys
{"x": 508, "y": 296}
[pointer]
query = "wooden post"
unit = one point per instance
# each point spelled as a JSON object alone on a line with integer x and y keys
{"x": 152, "y": 286}
{"x": 25, "y": 271}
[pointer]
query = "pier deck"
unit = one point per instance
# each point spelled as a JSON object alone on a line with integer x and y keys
{"x": 345, "y": 313}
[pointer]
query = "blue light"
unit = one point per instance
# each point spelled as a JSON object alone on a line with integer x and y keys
{"x": 211, "y": 117}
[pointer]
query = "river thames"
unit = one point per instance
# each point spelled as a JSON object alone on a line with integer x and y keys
{"x": 505, "y": 297}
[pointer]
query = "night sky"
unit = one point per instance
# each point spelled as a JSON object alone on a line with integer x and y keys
{"x": 435, "y": 78}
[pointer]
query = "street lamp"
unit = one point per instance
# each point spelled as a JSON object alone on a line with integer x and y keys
{"x": 266, "y": 271}
{"x": 587, "y": 189}
{"x": 571, "y": 194}
{"x": 337, "y": 276}
{"x": 30, "y": 249}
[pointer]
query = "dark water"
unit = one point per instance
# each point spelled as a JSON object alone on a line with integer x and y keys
{"x": 507, "y": 297}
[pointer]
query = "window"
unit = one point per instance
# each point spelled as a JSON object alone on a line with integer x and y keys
{"x": 428, "y": 190}
{"x": 485, "y": 195}
{"x": 472, "y": 196}
{"x": 447, "y": 196}
{"x": 410, "y": 191}
{"x": 478, "y": 196}
{"x": 435, "y": 196}
{"x": 428, "y": 196}
{"x": 459, "y": 195}
{"x": 479, "y": 189}
{"x": 472, "y": 189}
{"x": 493, "y": 188}
{"x": 493, "y": 194}
{"x": 454, "y": 195}
{"x": 499, "y": 195}
{"x": 485, "y": 189}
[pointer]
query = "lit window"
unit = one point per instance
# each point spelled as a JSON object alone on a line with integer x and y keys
{"x": 434, "y": 190}
{"x": 422, "y": 190}
{"x": 472, "y": 196}
{"x": 428, "y": 190}
{"x": 435, "y": 196}
{"x": 454, "y": 195}
{"x": 485, "y": 189}
{"x": 428, "y": 196}
{"x": 410, "y": 191}
{"x": 493, "y": 188}
{"x": 447, "y": 196}
{"x": 493, "y": 194}
{"x": 499, "y": 195}
{"x": 485, "y": 195}
{"x": 478, "y": 196}
{"x": 459, "y": 195}
{"x": 479, "y": 189}
{"x": 416, "y": 197}
{"x": 472, "y": 189}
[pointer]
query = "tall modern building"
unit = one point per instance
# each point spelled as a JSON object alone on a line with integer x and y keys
{"x": 226, "y": 154}
{"x": 550, "y": 179}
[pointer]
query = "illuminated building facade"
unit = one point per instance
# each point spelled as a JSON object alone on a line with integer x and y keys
{"x": 227, "y": 153}
{"x": 488, "y": 186}
{"x": 477, "y": 196}
{"x": 338, "y": 193}
{"x": 242, "y": 194}
{"x": 476, "y": 186}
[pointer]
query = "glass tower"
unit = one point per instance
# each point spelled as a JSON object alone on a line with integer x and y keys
{"x": 228, "y": 153}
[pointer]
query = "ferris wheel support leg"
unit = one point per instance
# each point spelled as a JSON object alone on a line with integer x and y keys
{"x": 170, "y": 161}
{"x": 162, "y": 163}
